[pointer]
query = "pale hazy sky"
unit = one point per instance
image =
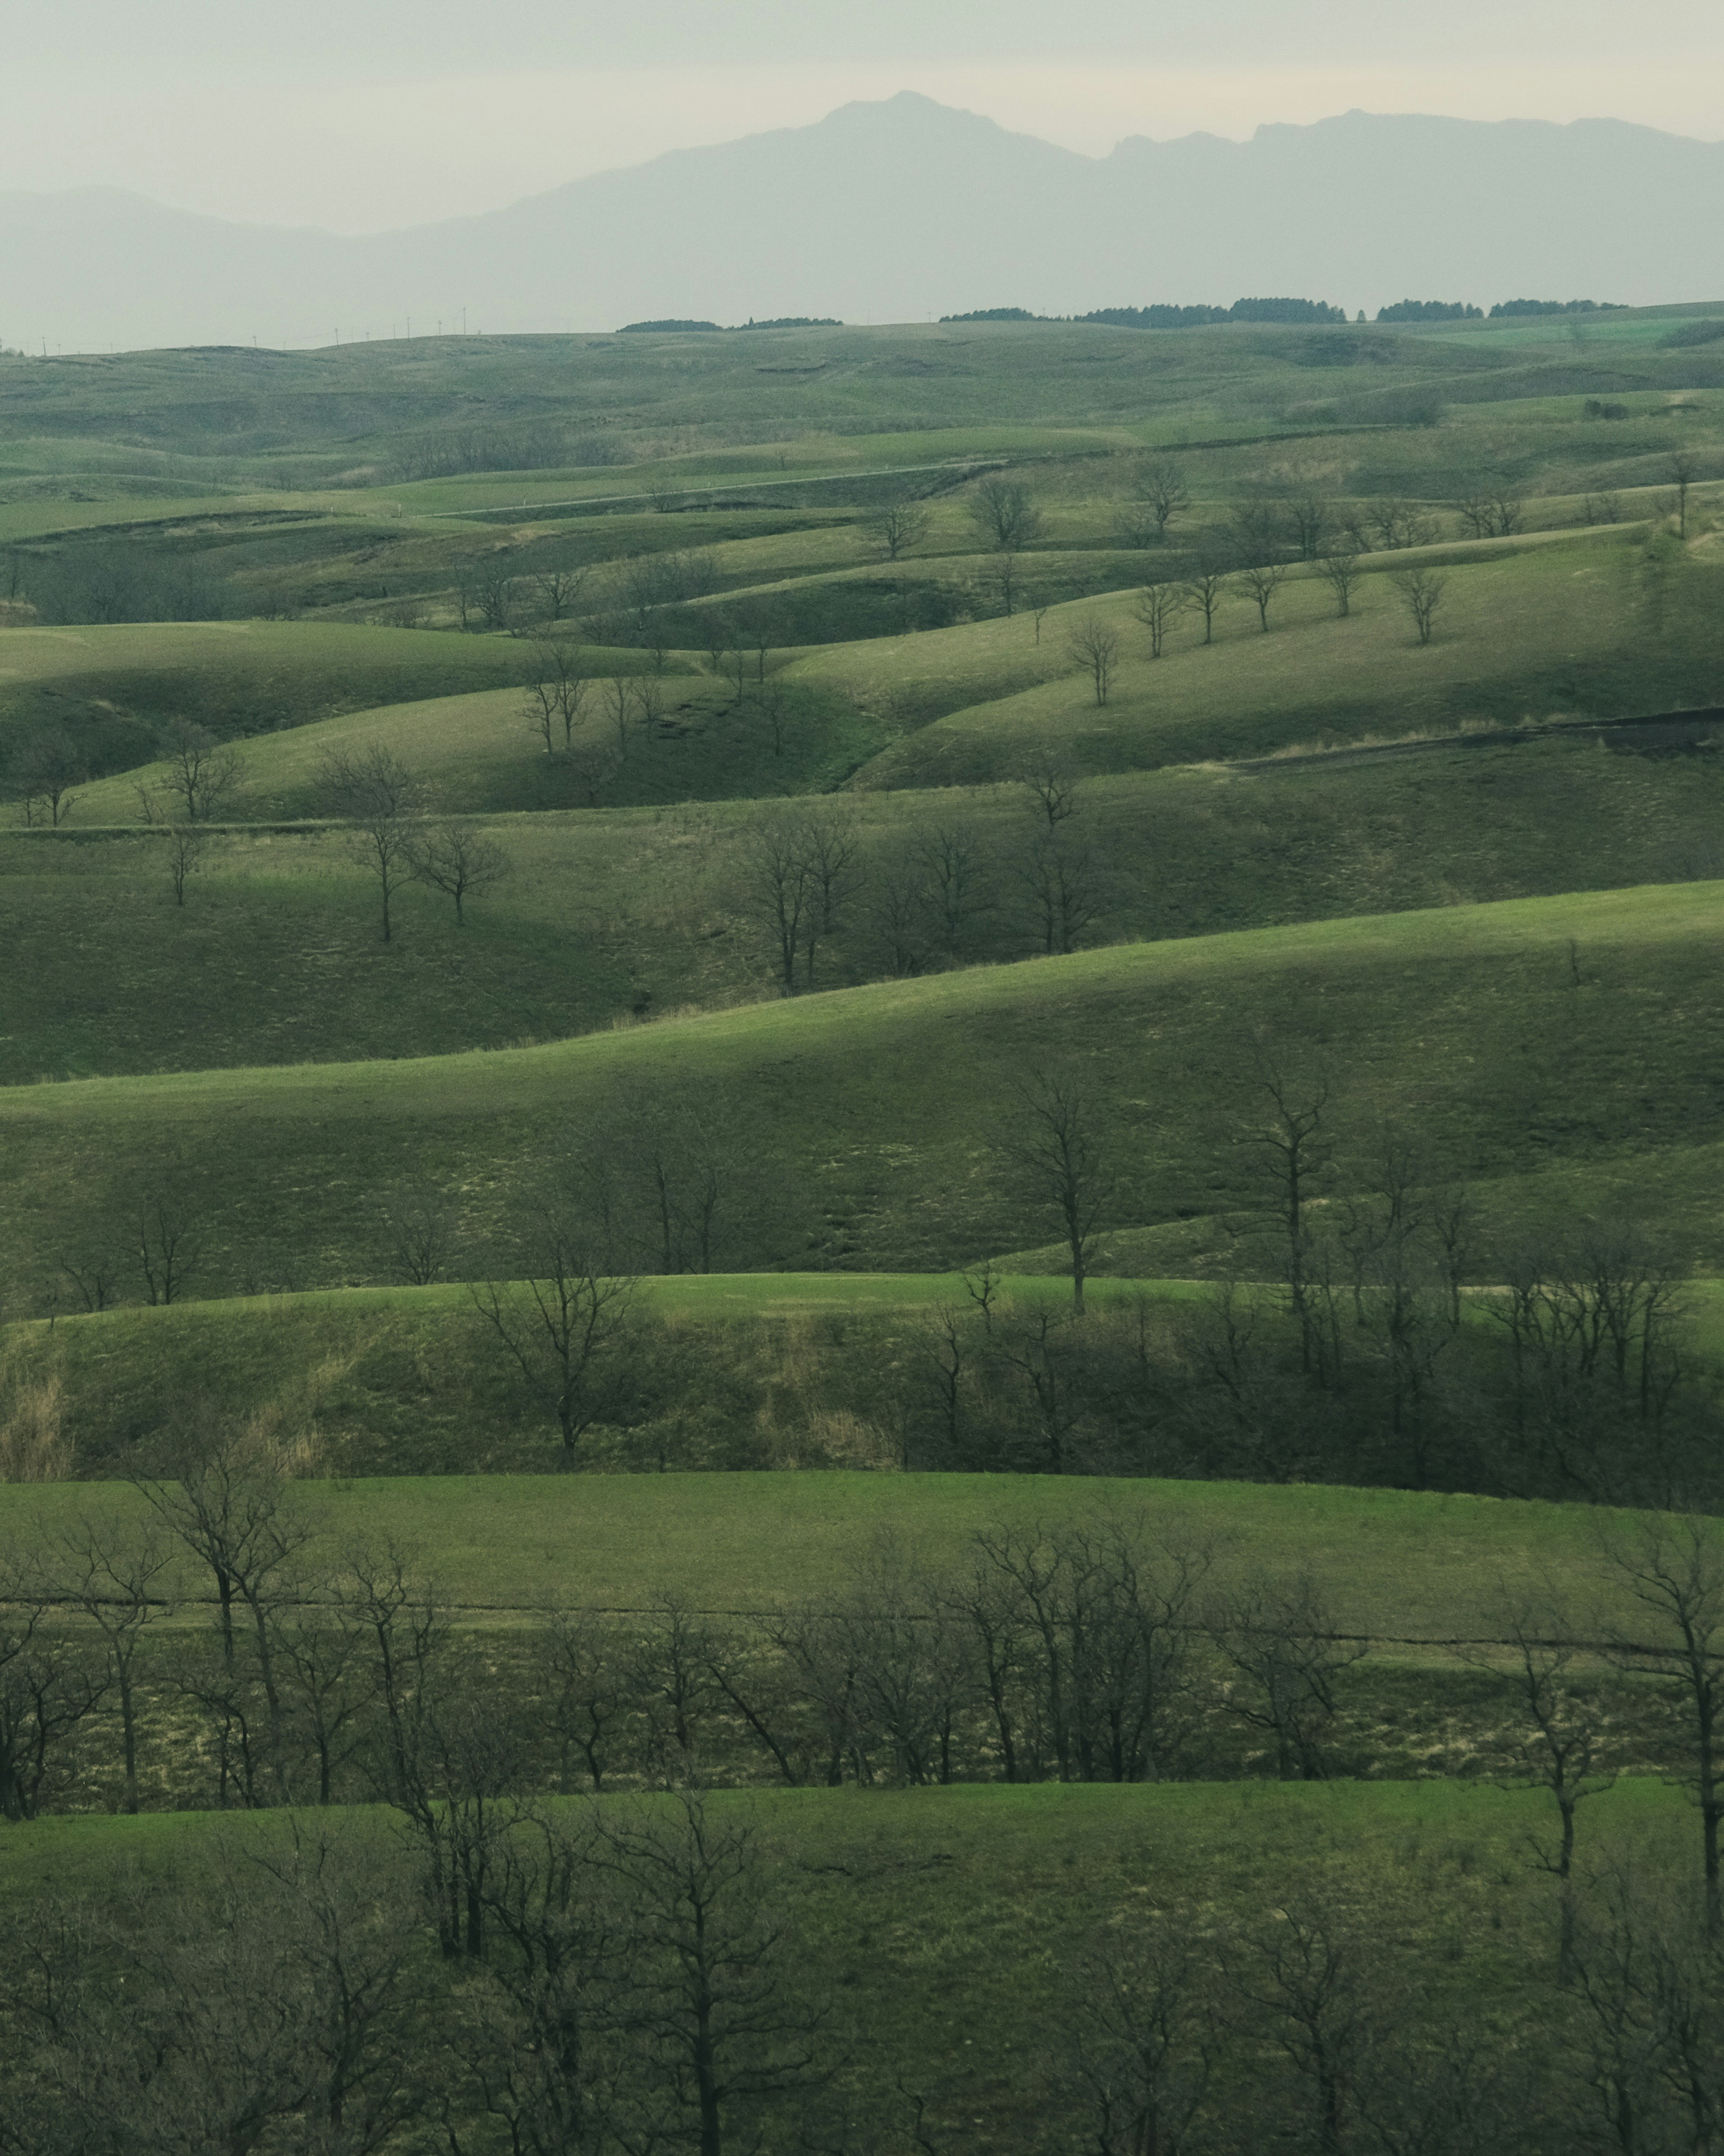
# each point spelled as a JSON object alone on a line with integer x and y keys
{"x": 361, "y": 114}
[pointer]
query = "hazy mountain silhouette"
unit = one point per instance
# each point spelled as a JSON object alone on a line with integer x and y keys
{"x": 898, "y": 209}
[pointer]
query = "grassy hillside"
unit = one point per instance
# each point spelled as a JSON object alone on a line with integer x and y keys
{"x": 1575, "y": 1033}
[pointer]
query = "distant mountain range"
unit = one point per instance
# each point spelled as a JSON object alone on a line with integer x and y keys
{"x": 891, "y": 211}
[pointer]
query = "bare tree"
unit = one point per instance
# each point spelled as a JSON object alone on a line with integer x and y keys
{"x": 953, "y": 861}
{"x": 1144, "y": 2040}
{"x": 169, "y": 1242}
{"x": 1292, "y": 1138}
{"x": 1157, "y": 607}
{"x": 1310, "y": 512}
{"x": 115, "y": 1575}
{"x": 554, "y": 701}
{"x": 1003, "y": 577}
{"x": 1492, "y": 509}
{"x": 562, "y": 1327}
{"x": 723, "y": 1998}
{"x": 48, "y": 1686}
{"x": 424, "y": 1227}
{"x": 1005, "y": 513}
{"x": 202, "y": 773}
{"x": 778, "y": 888}
{"x": 1204, "y": 591}
{"x": 1161, "y": 484}
{"x": 619, "y": 704}
{"x": 1061, "y": 1145}
{"x": 1280, "y": 1639}
{"x": 1058, "y": 876}
{"x": 558, "y": 591}
{"x": 454, "y": 856}
{"x": 43, "y": 773}
{"x": 1683, "y": 468}
{"x": 1672, "y": 1570}
{"x": 374, "y": 792}
{"x": 1339, "y": 570}
{"x": 1421, "y": 592}
{"x": 829, "y": 842}
{"x": 1056, "y": 792}
{"x": 1095, "y": 647}
{"x": 897, "y": 525}
{"x": 185, "y": 844}
{"x": 1313, "y": 1987}
{"x": 1261, "y": 581}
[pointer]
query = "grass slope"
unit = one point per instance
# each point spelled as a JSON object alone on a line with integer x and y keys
{"x": 1581, "y": 1033}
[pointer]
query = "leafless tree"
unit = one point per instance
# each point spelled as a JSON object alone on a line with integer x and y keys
{"x": 169, "y": 1242}
{"x": 1311, "y": 1982}
{"x": 554, "y": 701}
{"x": 1260, "y": 583}
{"x": 1672, "y": 1570}
{"x": 586, "y": 1689}
{"x": 1157, "y": 607}
{"x": 1005, "y": 513}
{"x": 42, "y": 774}
{"x": 778, "y": 888}
{"x": 454, "y": 856}
{"x": 1389, "y": 524}
{"x": 1421, "y": 592}
{"x": 563, "y": 1326}
{"x": 1204, "y": 591}
{"x": 1094, "y": 648}
{"x": 202, "y": 773}
{"x": 1295, "y": 1146}
{"x": 1056, "y": 792}
{"x": 897, "y": 525}
{"x": 48, "y": 1686}
{"x": 1060, "y": 1142}
{"x": 558, "y": 591}
{"x": 953, "y": 861}
{"x": 1143, "y": 2039}
{"x": 1309, "y": 511}
{"x": 185, "y": 844}
{"x": 1003, "y": 578}
{"x": 1492, "y": 509}
{"x": 723, "y": 2000}
{"x": 377, "y": 794}
{"x": 1281, "y": 1641}
{"x": 1339, "y": 570}
{"x": 423, "y": 1225}
{"x": 1059, "y": 877}
{"x": 117, "y": 1575}
{"x": 620, "y": 703}
{"x": 1161, "y": 484}
{"x": 1683, "y": 468}
{"x": 489, "y": 590}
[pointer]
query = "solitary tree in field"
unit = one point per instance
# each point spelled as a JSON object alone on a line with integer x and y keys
{"x": 185, "y": 842}
{"x": 376, "y": 794}
{"x": 1421, "y": 592}
{"x": 1157, "y": 607}
{"x": 1161, "y": 488}
{"x": 455, "y": 857}
{"x": 563, "y": 1326}
{"x": 1005, "y": 513}
{"x": 169, "y": 1244}
{"x": 1094, "y": 646}
{"x": 898, "y": 526}
{"x": 1060, "y": 1141}
{"x": 200, "y": 771}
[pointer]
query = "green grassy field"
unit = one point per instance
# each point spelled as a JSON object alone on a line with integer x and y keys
{"x": 1404, "y": 1569}
{"x": 1575, "y": 1032}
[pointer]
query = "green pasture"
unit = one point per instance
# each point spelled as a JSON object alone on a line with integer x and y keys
{"x": 116, "y": 685}
{"x": 1401, "y": 1568}
{"x": 1575, "y": 1032}
{"x": 610, "y": 913}
{"x": 952, "y": 1925}
{"x": 1593, "y": 626}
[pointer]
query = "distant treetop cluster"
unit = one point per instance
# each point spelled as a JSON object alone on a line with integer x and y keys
{"x": 1430, "y": 311}
{"x": 777, "y": 322}
{"x": 1161, "y": 317}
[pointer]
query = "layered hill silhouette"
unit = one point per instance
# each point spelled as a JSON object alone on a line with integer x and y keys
{"x": 893, "y": 210}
